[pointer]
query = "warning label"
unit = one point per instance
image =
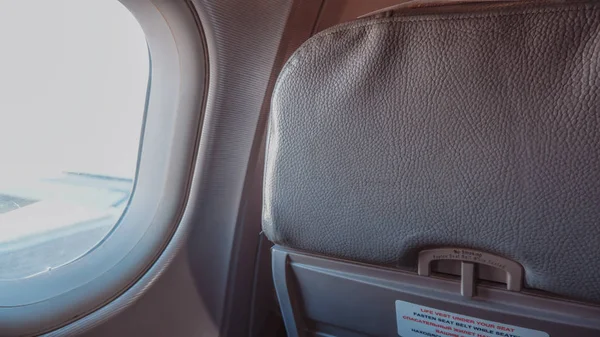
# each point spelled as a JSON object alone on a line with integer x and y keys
{"x": 419, "y": 321}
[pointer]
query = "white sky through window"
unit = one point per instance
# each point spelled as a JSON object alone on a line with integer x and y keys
{"x": 73, "y": 80}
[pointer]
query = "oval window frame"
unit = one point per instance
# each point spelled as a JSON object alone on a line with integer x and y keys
{"x": 177, "y": 95}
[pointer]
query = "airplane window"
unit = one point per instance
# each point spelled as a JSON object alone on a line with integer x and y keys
{"x": 73, "y": 85}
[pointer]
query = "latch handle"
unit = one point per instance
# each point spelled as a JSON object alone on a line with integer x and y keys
{"x": 468, "y": 257}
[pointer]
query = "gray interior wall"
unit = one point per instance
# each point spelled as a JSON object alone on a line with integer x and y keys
{"x": 190, "y": 296}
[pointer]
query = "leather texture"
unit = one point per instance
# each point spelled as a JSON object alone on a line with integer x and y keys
{"x": 394, "y": 134}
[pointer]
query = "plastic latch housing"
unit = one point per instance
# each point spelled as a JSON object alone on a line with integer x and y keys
{"x": 469, "y": 259}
